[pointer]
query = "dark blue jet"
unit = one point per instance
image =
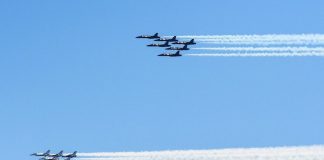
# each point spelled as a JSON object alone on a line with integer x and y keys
{"x": 191, "y": 42}
{"x": 185, "y": 47}
{"x": 173, "y": 39}
{"x": 155, "y": 36}
{"x": 41, "y": 154}
{"x": 69, "y": 156}
{"x": 177, "y": 54}
{"x": 166, "y": 44}
{"x": 56, "y": 155}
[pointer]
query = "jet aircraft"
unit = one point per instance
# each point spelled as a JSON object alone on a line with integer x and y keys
{"x": 166, "y": 44}
{"x": 49, "y": 158}
{"x": 56, "y": 155}
{"x": 41, "y": 154}
{"x": 173, "y": 39}
{"x": 185, "y": 47}
{"x": 155, "y": 36}
{"x": 177, "y": 54}
{"x": 72, "y": 155}
{"x": 191, "y": 42}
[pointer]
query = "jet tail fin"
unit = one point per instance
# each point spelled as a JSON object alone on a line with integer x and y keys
{"x": 185, "y": 46}
{"x": 74, "y": 153}
{"x": 174, "y": 37}
{"x": 166, "y": 43}
{"x": 156, "y": 34}
{"x": 48, "y": 151}
{"x": 60, "y": 153}
{"x": 192, "y": 40}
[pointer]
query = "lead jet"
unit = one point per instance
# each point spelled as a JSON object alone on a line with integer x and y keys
{"x": 185, "y": 47}
{"x": 41, "y": 154}
{"x": 166, "y": 44}
{"x": 173, "y": 39}
{"x": 155, "y": 36}
{"x": 177, "y": 54}
{"x": 69, "y": 156}
{"x": 56, "y": 155}
{"x": 191, "y": 42}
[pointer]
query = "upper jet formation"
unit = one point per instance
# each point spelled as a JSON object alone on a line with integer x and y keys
{"x": 48, "y": 156}
{"x": 191, "y": 42}
{"x": 173, "y": 39}
{"x": 185, "y": 47}
{"x": 155, "y": 36}
{"x": 166, "y": 44}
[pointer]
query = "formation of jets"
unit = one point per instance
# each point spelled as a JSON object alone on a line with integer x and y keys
{"x": 47, "y": 156}
{"x": 167, "y": 44}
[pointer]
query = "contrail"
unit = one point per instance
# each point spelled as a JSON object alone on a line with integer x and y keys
{"x": 278, "y": 153}
{"x": 280, "y": 49}
{"x": 274, "y": 54}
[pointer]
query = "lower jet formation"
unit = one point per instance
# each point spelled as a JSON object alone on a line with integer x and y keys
{"x": 166, "y": 44}
{"x": 177, "y": 54}
{"x": 155, "y": 36}
{"x": 185, "y": 47}
{"x": 191, "y": 42}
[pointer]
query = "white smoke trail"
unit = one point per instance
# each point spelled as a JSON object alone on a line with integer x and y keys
{"x": 279, "y": 153}
{"x": 267, "y": 39}
{"x": 274, "y": 54}
{"x": 264, "y": 43}
{"x": 273, "y": 49}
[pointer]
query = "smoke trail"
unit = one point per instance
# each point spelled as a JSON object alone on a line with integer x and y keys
{"x": 274, "y": 54}
{"x": 264, "y": 43}
{"x": 279, "y": 153}
{"x": 267, "y": 39}
{"x": 273, "y": 49}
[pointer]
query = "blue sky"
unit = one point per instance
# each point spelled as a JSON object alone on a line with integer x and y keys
{"x": 73, "y": 77}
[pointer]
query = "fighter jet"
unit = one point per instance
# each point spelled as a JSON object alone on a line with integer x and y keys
{"x": 185, "y": 47}
{"x": 173, "y": 39}
{"x": 191, "y": 42}
{"x": 155, "y": 36}
{"x": 166, "y": 44}
{"x": 177, "y": 54}
{"x": 41, "y": 154}
{"x": 69, "y": 156}
{"x": 49, "y": 158}
{"x": 56, "y": 155}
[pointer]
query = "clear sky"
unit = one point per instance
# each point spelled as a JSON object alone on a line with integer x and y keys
{"x": 73, "y": 77}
